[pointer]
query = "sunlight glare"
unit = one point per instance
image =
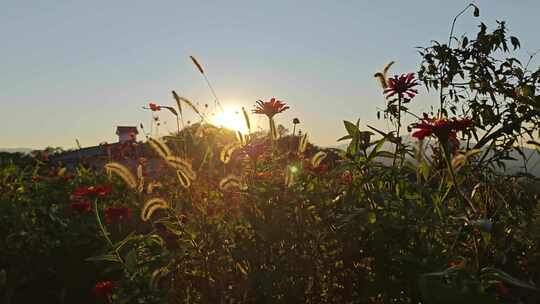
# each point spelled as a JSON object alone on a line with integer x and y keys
{"x": 231, "y": 118}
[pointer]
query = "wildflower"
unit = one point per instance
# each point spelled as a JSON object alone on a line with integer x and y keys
{"x": 255, "y": 150}
{"x": 117, "y": 214}
{"x": 264, "y": 175}
{"x": 210, "y": 211}
{"x": 84, "y": 206}
{"x": 401, "y": 85}
{"x": 347, "y": 178}
{"x": 92, "y": 191}
{"x": 154, "y": 107}
{"x": 444, "y": 129}
{"x": 270, "y": 108}
{"x": 183, "y": 218}
{"x": 322, "y": 168}
{"x": 502, "y": 290}
{"x": 104, "y": 289}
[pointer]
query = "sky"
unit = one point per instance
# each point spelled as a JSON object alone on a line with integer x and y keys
{"x": 77, "y": 69}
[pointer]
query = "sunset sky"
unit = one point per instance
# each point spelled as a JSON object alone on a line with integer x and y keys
{"x": 76, "y": 69}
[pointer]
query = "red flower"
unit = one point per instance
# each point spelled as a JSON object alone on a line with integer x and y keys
{"x": 183, "y": 218}
{"x": 502, "y": 290}
{"x": 255, "y": 150}
{"x": 270, "y": 108}
{"x": 347, "y": 178}
{"x": 444, "y": 129}
{"x": 104, "y": 289}
{"x": 264, "y": 175}
{"x": 117, "y": 214}
{"x": 402, "y": 85}
{"x": 322, "y": 168}
{"x": 154, "y": 107}
{"x": 92, "y": 191}
{"x": 82, "y": 206}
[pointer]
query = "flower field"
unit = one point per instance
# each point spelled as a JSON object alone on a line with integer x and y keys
{"x": 212, "y": 215}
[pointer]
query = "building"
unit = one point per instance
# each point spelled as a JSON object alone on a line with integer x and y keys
{"x": 127, "y": 150}
{"x": 126, "y": 133}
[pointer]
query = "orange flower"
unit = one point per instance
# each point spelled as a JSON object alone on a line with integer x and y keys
{"x": 270, "y": 108}
{"x": 444, "y": 129}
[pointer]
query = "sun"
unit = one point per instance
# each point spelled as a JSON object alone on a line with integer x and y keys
{"x": 231, "y": 118}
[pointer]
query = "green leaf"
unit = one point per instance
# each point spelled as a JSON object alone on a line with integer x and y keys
{"x": 345, "y": 137}
{"x": 372, "y": 218}
{"x": 375, "y": 151}
{"x": 131, "y": 261}
{"x": 424, "y": 169}
{"x": 476, "y": 12}
{"x": 515, "y": 42}
{"x": 171, "y": 109}
{"x": 351, "y": 128}
{"x": 104, "y": 258}
{"x": 493, "y": 273}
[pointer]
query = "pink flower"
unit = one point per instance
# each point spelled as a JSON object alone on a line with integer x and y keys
{"x": 401, "y": 85}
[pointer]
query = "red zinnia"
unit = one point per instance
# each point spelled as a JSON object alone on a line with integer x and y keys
{"x": 82, "y": 206}
{"x": 270, "y": 108}
{"x": 347, "y": 178}
{"x": 92, "y": 191}
{"x": 154, "y": 107}
{"x": 401, "y": 85}
{"x": 117, "y": 214}
{"x": 443, "y": 129}
{"x": 322, "y": 168}
{"x": 104, "y": 289}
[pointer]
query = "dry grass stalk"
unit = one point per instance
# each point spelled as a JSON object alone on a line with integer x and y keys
{"x": 302, "y": 145}
{"x": 160, "y": 147}
{"x": 181, "y": 165}
{"x": 123, "y": 172}
{"x": 318, "y": 158}
{"x": 227, "y": 151}
{"x": 197, "y": 64}
{"x": 151, "y": 205}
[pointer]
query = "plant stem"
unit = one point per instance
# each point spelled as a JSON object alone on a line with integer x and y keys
{"x": 398, "y": 131}
{"x": 444, "y": 147}
{"x": 100, "y": 225}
